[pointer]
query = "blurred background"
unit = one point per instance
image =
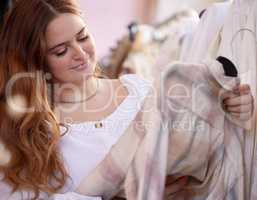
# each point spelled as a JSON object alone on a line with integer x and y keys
{"x": 142, "y": 36}
{"x": 108, "y": 20}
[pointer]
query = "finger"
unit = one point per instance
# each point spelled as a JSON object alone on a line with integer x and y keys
{"x": 242, "y": 89}
{"x": 239, "y": 109}
{"x": 242, "y": 116}
{"x": 227, "y": 95}
{"x": 237, "y": 101}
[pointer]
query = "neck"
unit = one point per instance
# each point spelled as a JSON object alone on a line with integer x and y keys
{"x": 76, "y": 93}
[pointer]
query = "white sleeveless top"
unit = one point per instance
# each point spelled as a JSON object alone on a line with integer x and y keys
{"x": 86, "y": 144}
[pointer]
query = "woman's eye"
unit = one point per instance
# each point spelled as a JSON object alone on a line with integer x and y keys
{"x": 82, "y": 39}
{"x": 61, "y": 53}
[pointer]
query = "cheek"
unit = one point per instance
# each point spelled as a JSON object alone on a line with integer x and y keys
{"x": 90, "y": 49}
{"x": 58, "y": 66}
{"x": 91, "y": 57}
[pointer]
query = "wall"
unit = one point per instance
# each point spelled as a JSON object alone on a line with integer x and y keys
{"x": 107, "y": 20}
{"x": 166, "y": 8}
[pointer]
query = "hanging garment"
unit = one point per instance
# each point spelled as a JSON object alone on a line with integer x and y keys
{"x": 182, "y": 25}
{"x": 198, "y": 45}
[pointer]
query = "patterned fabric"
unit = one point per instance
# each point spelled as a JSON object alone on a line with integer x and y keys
{"x": 174, "y": 135}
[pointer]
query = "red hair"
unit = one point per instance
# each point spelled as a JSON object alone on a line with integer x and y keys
{"x": 32, "y": 139}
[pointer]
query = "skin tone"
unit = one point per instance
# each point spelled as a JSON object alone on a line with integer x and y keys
{"x": 239, "y": 103}
{"x": 72, "y": 62}
{"x": 71, "y": 53}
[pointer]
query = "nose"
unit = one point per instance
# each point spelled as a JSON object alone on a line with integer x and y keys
{"x": 79, "y": 52}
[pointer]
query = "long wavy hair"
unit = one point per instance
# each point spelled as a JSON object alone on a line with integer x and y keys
{"x": 31, "y": 136}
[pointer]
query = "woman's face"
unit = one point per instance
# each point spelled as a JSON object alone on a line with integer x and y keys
{"x": 71, "y": 51}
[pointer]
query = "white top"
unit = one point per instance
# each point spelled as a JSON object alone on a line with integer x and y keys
{"x": 85, "y": 145}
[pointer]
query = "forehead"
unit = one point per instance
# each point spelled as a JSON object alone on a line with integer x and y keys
{"x": 63, "y": 28}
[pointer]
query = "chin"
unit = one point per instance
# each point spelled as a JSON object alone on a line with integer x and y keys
{"x": 84, "y": 77}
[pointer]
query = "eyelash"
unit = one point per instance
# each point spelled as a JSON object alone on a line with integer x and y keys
{"x": 62, "y": 53}
{"x": 83, "y": 39}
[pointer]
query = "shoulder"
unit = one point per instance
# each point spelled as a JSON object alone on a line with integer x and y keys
{"x": 133, "y": 78}
{"x": 135, "y": 84}
{"x": 129, "y": 84}
{"x": 113, "y": 87}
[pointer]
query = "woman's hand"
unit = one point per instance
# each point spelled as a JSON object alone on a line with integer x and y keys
{"x": 239, "y": 103}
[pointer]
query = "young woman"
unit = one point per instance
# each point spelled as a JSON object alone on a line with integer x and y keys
{"x": 58, "y": 119}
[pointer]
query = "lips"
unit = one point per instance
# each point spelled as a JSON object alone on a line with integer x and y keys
{"x": 80, "y": 67}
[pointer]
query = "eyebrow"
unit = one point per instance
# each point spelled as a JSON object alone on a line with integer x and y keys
{"x": 63, "y": 43}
